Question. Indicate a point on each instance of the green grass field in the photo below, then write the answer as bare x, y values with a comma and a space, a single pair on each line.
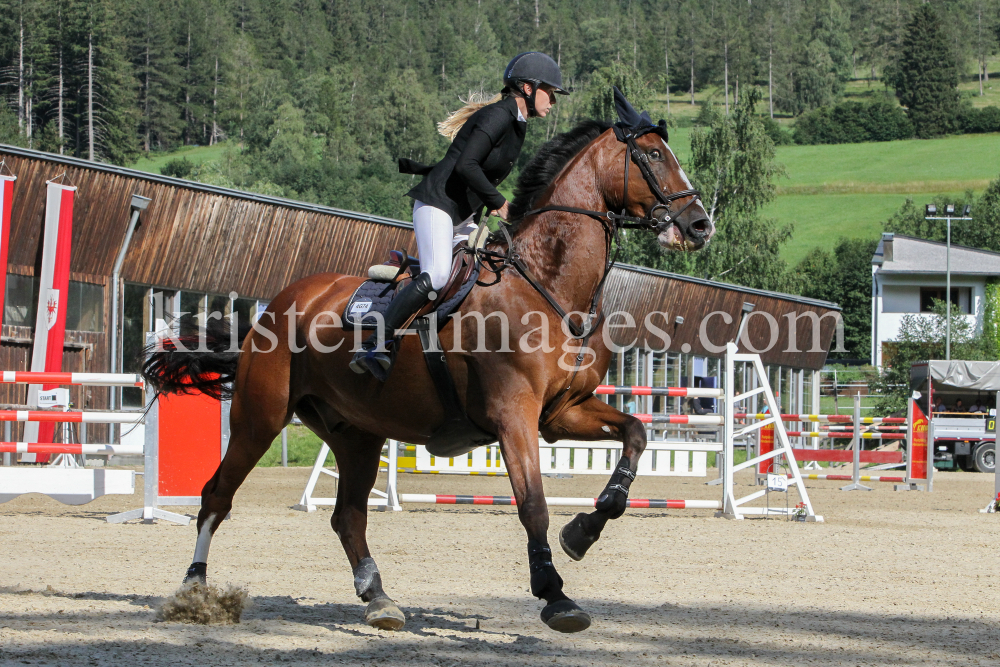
196, 154
850, 189
303, 446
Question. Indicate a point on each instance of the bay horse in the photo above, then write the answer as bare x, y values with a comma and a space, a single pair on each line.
562, 232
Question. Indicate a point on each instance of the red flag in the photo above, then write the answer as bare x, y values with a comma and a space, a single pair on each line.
53, 288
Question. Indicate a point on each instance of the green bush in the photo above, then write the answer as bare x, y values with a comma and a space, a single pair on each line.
853, 122
708, 115
178, 168
975, 121
779, 135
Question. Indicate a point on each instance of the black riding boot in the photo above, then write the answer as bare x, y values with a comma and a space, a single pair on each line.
407, 302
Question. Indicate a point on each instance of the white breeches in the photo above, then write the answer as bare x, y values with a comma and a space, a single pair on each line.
436, 237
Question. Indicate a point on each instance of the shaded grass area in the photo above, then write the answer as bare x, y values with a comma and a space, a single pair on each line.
196, 154
303, 447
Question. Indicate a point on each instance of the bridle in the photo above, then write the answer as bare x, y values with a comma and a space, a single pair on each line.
657, 218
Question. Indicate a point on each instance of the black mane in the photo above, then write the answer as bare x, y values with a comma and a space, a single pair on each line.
549, 160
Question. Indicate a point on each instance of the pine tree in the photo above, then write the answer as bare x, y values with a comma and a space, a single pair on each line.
153, 41
926, 77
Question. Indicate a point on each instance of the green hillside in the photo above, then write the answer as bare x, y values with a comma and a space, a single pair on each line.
849, 189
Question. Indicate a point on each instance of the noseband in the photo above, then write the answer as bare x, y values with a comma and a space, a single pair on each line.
656, 219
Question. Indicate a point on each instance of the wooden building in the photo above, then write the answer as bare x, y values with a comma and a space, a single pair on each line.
197, 244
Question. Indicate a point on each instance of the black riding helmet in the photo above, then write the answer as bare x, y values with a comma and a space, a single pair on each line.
536, 68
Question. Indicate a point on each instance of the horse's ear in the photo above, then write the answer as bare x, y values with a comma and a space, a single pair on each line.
627, 114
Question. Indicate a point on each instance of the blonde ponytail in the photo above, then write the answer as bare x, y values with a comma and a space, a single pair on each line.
450, 126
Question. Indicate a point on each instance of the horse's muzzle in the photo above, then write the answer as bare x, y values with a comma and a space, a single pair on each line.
690, 233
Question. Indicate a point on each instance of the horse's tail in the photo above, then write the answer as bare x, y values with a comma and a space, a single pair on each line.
198, 360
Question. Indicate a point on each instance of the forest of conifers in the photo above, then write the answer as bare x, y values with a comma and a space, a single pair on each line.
366, 79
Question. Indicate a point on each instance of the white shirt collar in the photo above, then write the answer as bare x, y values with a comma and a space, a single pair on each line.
520, 117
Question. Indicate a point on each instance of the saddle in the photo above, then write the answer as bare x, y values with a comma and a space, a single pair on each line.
458, 434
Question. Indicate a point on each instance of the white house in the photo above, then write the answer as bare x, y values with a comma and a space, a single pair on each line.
909, 273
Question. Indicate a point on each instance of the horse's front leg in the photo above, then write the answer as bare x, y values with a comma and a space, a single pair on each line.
596, 420
519, 445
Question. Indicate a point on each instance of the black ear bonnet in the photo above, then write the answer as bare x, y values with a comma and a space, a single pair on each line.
632, 123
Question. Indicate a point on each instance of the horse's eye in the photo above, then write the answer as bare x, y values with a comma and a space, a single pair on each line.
655, 154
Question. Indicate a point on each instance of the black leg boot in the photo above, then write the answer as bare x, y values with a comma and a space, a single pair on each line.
408, 301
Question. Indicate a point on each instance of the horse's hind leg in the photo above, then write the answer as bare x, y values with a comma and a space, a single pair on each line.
357, 453
596, 420
358, 472
254, 426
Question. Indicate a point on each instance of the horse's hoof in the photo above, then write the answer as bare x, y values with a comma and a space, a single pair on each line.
565, 616
574, 540
384, 615
197, 574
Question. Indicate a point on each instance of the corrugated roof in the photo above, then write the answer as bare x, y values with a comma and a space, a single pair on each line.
738, 288
913, 255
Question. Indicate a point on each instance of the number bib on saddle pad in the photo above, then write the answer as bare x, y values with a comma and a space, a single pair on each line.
374, 296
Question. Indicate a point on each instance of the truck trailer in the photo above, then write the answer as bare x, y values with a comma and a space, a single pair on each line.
948, 389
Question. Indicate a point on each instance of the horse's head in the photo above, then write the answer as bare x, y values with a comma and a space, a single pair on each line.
683, 223
650, 183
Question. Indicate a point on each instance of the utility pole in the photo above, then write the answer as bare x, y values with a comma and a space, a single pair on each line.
930, 213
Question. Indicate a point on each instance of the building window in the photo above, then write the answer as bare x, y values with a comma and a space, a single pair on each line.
85, 307
246, 311
84, 304
960, 296
20, 300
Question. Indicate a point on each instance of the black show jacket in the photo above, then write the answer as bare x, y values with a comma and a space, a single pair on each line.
478, 160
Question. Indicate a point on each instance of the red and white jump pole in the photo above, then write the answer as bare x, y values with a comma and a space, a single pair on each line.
648, 503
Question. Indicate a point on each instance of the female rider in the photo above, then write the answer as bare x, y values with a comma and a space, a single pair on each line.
449, 201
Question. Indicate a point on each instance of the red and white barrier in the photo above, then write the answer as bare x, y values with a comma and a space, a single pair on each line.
71, 417
89, 450
646, 503
693, 420
850, 478
184, 439
99, 379
917, 459
69, 485
693, 392
845, 419
848, 434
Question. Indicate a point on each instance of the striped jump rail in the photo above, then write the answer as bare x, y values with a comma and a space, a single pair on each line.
847, 434
89, 450
848, 478
646, 503
694, 420
102, 379
833, 419
878, 428
693, 392
846, 456
71, 417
